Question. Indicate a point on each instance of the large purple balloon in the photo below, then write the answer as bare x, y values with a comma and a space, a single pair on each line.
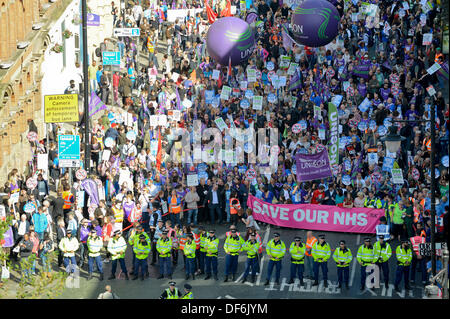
315, 23
230, 37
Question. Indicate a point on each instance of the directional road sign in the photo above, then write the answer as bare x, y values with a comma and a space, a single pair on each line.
111, 58
68, 147
126, 32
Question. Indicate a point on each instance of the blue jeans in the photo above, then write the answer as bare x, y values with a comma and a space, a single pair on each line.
401, 270
251, 263
26, 271
45, 265
297, 269
98, 262
72, 261
40, 236
201, 260
122, 265
343, 274
421, 263
227, 210
277, 265
190, 266
83, 251
192, 213
231, 263
324, 267
142, 264
211, 264
309, 266
175, 218
165, 266
215, 208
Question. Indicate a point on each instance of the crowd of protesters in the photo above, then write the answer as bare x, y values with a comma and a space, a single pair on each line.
142, 185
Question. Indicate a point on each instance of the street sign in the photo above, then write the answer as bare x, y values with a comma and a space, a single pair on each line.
425, 249
127, 32
69, 150
61, 108
111, 58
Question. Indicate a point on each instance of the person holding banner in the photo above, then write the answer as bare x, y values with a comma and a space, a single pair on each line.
276, 249
297, 251
343, 256
321, 252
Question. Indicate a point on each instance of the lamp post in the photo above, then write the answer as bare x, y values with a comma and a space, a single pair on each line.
87, 157
393, 143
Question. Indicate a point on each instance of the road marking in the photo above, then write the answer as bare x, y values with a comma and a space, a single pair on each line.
352, 276
264, 243
229, 297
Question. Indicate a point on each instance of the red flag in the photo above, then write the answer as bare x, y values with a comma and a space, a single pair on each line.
229, 68
210, 13
226, 12
159, 153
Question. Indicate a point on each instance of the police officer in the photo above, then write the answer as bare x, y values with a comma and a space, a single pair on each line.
117, 247
297, 251
276, 249
68, 246
156, 235
404, 257
233, 245
141, 249
189, 252
95, 244
212, 248
202, 252
134, 237
342, 256
164, 248
383, 252
372, 201
365, 257
187, 292
251, 246
321, 252
171, 292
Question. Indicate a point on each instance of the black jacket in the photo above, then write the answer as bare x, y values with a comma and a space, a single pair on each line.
26, 251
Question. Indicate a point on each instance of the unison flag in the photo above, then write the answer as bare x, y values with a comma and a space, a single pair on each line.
296, 81
288, 42
333, 147
312, 166
362, 70
443, 71
95, 104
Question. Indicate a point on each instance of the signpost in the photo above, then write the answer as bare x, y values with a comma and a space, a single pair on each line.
61, 108
129, 32
111, 58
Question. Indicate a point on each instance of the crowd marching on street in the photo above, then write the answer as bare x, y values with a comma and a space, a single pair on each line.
136, 195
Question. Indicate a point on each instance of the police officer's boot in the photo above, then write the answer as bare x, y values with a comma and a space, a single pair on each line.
170, 276
362, 287
244, 279
277, 281
207, 276
407, 286
101, 277
316, 283
346, 286
386, 284
291, 281
253, 279
266, 283
325, 283
226, 279
161, 276
234, 277
126, 276
340, 285
187, 277
89, 276
397, 288
147, 274
142, 277
302, 283
135, 277
193, 276
215, 277
114, 277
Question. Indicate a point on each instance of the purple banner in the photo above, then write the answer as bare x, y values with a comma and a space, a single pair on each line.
93, 20
91, 189
362, 70
251, 17
313, 166
8, 238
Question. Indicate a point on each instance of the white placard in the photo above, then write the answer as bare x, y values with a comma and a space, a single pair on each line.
292, 67
175, 77
427, 38
42, 161
436, 66
176, 115
243, 85
373, 158
192, 180
186, 103
220, 124
197, 153
257, 102
397, 176
106, 155
14, 197
162, 120
154, 120
251, 75
229, 156
215, 74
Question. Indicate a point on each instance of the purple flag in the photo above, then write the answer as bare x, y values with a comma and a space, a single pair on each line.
93, 19
91, 189
296, 81
443, 71
251, 17
95, 104
178, 99
313, 166
8, 238
288, 42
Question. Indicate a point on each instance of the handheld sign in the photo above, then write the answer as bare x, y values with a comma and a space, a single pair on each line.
296, 128
250, 174
81, 174
31, 183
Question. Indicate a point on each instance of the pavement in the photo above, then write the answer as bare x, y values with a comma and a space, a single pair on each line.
151, 288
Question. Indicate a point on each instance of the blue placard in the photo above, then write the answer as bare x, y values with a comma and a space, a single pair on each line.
365, 105
111, 58
69, 147
382, 130
362, 126
202, 167
336, 100
216, 101
245, 104
203, 175
249, 94
209, 96
372, 125
270, 66
303, 124
444, 160
272, 98
346, 180
387, 122
388, 164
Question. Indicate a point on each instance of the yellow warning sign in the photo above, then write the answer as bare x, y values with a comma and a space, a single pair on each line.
61, 108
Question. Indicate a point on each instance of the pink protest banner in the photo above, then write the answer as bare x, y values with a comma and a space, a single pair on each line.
316, 217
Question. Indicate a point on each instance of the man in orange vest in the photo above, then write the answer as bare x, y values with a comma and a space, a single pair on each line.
417, 258
310, 241
235, 205
69, 200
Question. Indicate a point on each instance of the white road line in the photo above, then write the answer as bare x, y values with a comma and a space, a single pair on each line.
352, 276
264, 243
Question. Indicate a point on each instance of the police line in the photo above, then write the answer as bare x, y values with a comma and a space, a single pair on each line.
316, 217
